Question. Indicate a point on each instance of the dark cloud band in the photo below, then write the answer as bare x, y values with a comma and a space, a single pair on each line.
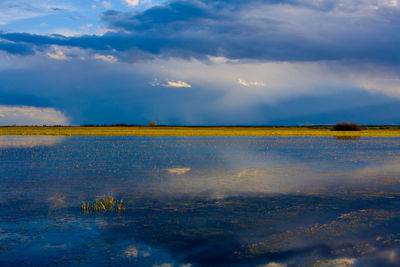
297, 31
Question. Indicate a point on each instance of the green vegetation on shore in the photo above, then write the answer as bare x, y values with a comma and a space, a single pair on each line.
376, 131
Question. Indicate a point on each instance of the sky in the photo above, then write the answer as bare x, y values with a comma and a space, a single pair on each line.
199, 62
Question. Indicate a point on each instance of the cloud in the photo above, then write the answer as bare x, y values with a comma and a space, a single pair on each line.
24, 115
379, 83
247, 84
330, 87
305, 93
63, 53
58, 54
12, 10
242, 82
171, 84
178, 171
286, 30
131, 3
107, 58
341, 262
177, 84
106, 4
16, 48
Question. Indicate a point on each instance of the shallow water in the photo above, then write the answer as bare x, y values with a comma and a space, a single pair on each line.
200, 201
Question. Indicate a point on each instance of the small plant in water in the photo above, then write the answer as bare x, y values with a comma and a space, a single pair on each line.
103, 205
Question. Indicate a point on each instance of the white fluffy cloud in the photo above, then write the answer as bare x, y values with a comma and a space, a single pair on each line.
247, 84
177, 84
57, 54
107, 58
106, 4
131, 3
24, 115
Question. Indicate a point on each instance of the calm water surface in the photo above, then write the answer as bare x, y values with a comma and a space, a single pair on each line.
237, 201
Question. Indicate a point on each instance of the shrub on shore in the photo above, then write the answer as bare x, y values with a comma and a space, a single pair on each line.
153, 123
347, 126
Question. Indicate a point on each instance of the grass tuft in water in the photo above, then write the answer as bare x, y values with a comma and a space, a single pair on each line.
104, 205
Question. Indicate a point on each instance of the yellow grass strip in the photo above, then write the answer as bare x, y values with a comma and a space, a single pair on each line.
201, 131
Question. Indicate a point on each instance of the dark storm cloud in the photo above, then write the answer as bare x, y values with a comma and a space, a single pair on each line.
16, 48
22, 100
256, 29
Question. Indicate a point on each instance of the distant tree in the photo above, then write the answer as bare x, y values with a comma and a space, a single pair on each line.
153, 123
347, 126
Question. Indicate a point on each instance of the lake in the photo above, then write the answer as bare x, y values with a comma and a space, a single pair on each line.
200, 201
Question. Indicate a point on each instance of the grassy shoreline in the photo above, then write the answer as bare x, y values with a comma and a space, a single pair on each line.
376, 131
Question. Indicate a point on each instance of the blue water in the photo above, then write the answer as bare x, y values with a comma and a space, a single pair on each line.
193, 201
